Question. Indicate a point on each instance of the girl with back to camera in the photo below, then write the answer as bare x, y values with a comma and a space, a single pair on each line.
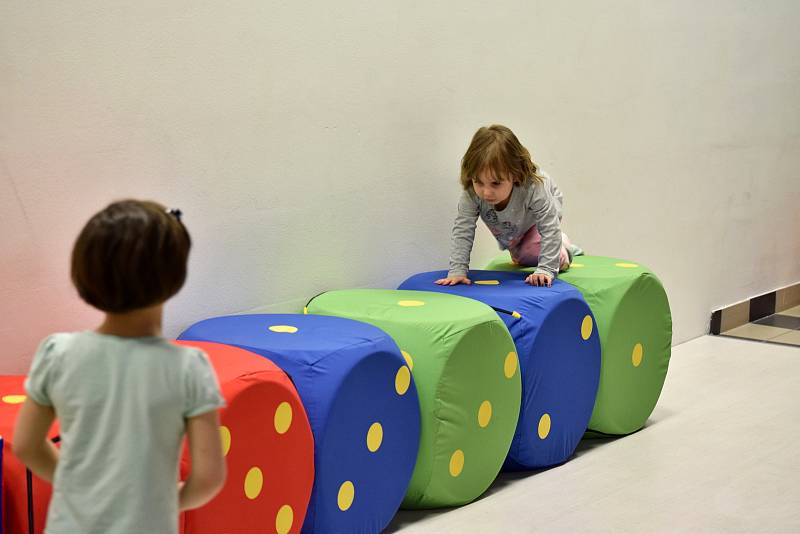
124, 396
519, 203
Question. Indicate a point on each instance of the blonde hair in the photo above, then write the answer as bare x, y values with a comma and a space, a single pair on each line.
497, 149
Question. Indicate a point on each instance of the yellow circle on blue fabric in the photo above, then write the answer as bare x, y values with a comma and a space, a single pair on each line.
586, 327
637, 355
487, 282
284, 519
253, 482
374, 437
402, 380
544, 426
283, 329
456, 463
484, 414
225, 435
283, 417
510, 365
347, 493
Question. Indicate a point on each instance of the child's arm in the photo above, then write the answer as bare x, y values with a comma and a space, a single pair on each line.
30, 443
461, 244
545, 211
208, 469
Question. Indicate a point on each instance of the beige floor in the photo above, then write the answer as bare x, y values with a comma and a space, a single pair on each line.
721, 453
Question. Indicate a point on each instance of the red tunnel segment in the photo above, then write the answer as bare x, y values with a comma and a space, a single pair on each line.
268, 447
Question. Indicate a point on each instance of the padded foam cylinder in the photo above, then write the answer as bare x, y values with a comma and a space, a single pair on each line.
559, 359
465, 367
635, 328
25, 496
361, 403
268, 447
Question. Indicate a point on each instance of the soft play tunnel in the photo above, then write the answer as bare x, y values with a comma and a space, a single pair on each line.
465, 366
635, 328
361, 403
24, 495
268, 447
559, 358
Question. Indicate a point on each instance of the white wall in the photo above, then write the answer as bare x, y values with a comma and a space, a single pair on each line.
314, 147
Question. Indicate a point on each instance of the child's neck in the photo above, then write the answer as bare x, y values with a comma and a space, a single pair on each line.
144, 322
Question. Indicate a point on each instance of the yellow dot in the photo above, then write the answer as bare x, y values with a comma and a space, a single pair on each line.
487, 282
13, 399
626, 265
284, 519
374, 437
410, 303
402, 380
456, 463
283, 329
637, 355
544, 426
586, 327
283, 417
253, 482
305, 312
409, 359
225, 434
515, 315
484, 414
579, 265
347, 493
510, 365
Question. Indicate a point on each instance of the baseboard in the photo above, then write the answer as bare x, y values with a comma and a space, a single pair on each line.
755, 308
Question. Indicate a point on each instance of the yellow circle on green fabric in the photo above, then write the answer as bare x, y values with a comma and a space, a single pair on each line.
484, 414
410, 303
283, 329
374, 437
347, 493
487, 282
626, 265
253, 482
544, 426
579, 265
409, 359
284, 519
305, 310
456, 463
637, 355
283, 417
225, 435
510, 365
402, 380
586, 327
13, 399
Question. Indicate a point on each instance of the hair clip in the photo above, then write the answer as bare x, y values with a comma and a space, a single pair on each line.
175, 212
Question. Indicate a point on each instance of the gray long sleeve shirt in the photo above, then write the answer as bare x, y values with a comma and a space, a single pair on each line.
529, 205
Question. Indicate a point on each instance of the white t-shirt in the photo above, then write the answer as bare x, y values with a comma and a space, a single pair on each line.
122, 405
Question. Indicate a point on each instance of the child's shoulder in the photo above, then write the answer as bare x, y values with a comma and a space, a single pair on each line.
57, 343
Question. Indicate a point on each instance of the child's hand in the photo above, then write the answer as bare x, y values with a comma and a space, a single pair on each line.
453, 280
539, 279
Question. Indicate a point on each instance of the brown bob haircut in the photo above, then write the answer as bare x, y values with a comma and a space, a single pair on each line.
130, 255
495, 148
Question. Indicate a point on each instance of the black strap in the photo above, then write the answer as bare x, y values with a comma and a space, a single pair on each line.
29, 477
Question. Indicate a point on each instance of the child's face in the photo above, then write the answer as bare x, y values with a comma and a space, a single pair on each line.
493, 189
